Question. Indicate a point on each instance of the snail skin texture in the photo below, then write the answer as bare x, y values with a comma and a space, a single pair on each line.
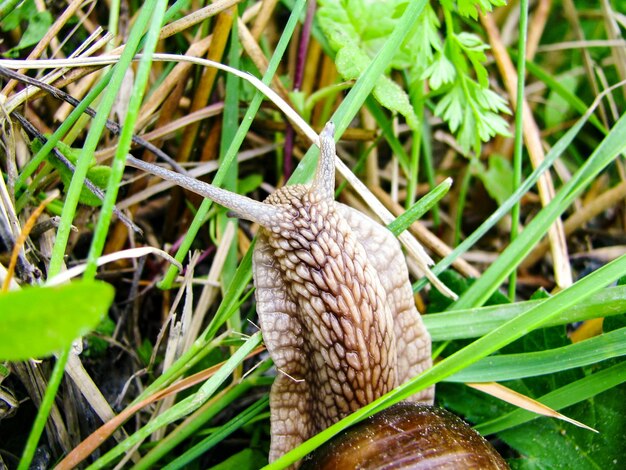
407, 435
335, 304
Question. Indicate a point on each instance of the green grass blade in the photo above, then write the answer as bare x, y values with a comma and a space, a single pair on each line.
531, 364
184, 407
505, 207
44, 410
386, 129
230, 124
209, 442
475, 322
126, 134
604, 154
574, 101
518, 144
418, 209
93, 137
69, 209
199, 419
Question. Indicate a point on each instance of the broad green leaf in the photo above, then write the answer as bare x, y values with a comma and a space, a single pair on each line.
562, 445
38, 321
97, 174
38, 25
498, 178
558, 107
247, 459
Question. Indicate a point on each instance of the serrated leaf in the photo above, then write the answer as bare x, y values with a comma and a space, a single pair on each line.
440, 72
470, 7
355, 36
471, 43
471, 110
38, 321
450, 107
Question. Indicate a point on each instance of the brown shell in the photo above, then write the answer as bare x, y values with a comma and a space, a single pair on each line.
407, 435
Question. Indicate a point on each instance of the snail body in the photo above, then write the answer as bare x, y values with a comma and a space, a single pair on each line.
336, 311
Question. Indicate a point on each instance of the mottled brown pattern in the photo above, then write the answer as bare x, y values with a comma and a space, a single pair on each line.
341, 306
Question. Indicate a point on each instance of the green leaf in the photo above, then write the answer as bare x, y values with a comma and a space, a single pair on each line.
451, 107
554, 443
249, 183
22, 13
498, 179
356, 30
38, 321
38, 26
458, 284
474, 49
559, 108
97, 174
144, 351
247, 459
440, 72
470, 7
96, 346
562, 445
472, 110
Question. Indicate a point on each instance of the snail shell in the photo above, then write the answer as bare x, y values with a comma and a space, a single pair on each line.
407, 435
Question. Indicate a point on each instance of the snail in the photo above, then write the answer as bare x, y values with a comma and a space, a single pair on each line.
334, 300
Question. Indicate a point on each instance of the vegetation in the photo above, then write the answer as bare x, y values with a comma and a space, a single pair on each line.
530, 235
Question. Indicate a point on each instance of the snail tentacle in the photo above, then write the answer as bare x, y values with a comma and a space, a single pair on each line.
244, 207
